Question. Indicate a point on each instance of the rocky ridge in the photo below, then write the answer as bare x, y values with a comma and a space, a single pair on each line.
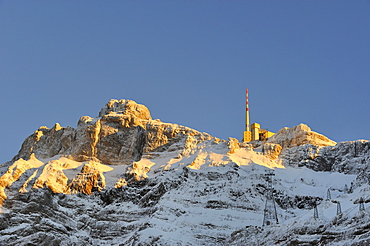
117, 136
123, 178
120, 135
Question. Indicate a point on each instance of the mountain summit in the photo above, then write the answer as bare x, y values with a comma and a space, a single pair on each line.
122, 178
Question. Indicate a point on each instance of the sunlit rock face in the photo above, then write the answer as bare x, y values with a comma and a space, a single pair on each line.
127, 108
46, 143
172, 137
299, 135
90, 179
121, 134
272, 150
117, 136
109, 140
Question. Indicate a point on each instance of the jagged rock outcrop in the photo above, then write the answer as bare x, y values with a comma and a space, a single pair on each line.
171, 137
14, 172
108, 140
351, 157
233, 145
299, 135
46, 143
304, 148
117, 136
53, 177
121, 134
271, 150
127, 108
90, 179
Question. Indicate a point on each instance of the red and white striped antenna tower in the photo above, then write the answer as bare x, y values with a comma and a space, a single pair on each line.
247, 123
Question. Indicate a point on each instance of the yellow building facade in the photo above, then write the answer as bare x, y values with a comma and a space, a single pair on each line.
257, 134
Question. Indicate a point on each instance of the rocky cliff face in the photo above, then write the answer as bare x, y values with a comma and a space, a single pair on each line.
122, 132
123, 178
120, 135
299, 135
117, 136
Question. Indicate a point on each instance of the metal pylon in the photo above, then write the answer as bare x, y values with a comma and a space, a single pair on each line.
339, 208
269, 213
315, 212
346, 190
362, 206
328, 195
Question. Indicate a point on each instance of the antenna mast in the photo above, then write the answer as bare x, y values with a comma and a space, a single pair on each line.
247, 123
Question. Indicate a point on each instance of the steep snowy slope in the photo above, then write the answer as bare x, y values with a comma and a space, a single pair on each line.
124, 179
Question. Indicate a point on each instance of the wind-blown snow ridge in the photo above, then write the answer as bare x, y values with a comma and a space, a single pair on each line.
124, 179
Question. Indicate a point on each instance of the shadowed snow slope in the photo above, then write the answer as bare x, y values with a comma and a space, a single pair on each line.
124, 179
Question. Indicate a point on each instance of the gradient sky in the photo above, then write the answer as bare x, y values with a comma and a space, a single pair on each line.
189, 62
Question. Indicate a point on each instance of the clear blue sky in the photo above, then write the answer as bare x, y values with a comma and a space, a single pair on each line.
189, 62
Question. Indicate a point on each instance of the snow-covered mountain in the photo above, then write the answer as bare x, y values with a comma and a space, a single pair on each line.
123, 178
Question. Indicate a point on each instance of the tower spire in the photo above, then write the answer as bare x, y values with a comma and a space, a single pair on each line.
247, 123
